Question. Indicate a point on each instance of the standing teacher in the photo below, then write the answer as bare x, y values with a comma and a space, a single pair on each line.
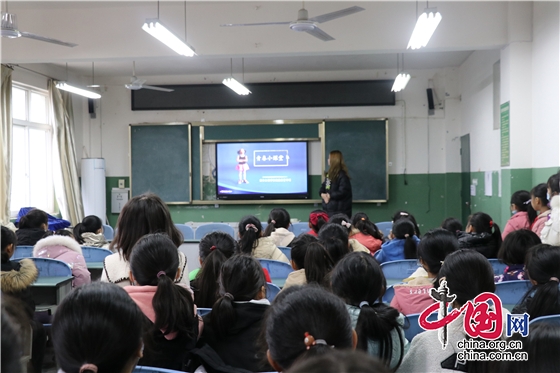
336, 190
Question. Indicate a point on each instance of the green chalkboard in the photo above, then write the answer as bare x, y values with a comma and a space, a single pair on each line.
160, 161
363, 144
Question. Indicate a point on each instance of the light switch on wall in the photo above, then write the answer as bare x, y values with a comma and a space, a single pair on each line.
121, 183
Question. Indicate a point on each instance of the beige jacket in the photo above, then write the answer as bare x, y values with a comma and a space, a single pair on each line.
266, 249
296, 278
282, 237
358, 247
550, 233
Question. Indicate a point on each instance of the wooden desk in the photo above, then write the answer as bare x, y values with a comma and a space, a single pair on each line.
95, 268
51, 290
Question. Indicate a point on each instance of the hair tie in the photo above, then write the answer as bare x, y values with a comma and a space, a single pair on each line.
90, 367
554, 279
403, 214
441, 262
160, 273
527, 202
345, 224
363, 219
364, 303
406, 235
251, 226
314, 217
212, 248
491, 223
273, 221
229, 295
310, 341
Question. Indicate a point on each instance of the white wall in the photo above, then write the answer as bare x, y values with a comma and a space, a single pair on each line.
107, 135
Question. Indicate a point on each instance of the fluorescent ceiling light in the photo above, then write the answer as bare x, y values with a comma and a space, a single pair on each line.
424, 29
235, 86
400, 82
160, 32
79, 91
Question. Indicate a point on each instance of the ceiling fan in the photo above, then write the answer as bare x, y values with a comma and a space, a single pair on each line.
306, 24
9, 30
136, 84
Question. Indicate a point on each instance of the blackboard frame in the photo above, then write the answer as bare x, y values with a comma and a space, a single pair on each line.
189, 140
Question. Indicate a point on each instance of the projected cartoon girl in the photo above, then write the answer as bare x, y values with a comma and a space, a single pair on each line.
242, 166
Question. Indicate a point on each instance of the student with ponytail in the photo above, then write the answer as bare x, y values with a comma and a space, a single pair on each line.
299, 252
482, 235
335, 239
539, 202
358, 279
346, 224
214, 249
170, 323
251, 242
402, 245
317, 218
543, 268
90, 232
365, 232
550, 233
232, 328
306, 321
318, 265
523, 214
277, 227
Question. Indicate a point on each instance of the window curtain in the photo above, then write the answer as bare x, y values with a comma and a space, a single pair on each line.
6, 138
65, 173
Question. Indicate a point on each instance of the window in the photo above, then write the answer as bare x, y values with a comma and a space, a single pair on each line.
32, 184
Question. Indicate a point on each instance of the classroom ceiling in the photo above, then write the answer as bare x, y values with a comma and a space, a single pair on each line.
109, 33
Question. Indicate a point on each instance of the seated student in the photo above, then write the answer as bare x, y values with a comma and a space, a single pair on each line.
482, 235
550, 233
406, 215
452, 225
365, 232
90, 232
61, 245
513, 252
539, 202
344, 222
317, 265
16, 280
414, 295
543, 268
299, 250
402, 244
317, 218
306, 321
213, 250
141, 215
522, 213
32, 227
97, 328
541, 346
252, 243
170, 323
277, 227
468, 274
233, 326
336, 361
334, 237
358, 279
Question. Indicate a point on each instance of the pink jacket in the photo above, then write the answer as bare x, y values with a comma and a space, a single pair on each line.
373, 244
67, 250
413, 297
516, 222
538, 224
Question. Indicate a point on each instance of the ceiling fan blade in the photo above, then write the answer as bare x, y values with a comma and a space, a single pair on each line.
254, 24
338, 14
48, 40
320, 34
157, 88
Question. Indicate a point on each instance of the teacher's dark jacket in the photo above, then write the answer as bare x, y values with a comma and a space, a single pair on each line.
340, 191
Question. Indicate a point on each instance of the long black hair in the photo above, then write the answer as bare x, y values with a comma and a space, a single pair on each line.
250, 230
241, 279
318, 264
98, 324
435, 246
540, 192
361, 222
214, 249
516, 245
403, 229
337, 361
155, 261
305, 312
543, 267
335, 239
452, 225
483, 223
299, 249
401, 214
91, 224
34, 218
522, 201
343, 220
359, 280
278, 218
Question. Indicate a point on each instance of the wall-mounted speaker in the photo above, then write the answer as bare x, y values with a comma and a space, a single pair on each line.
431, 107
